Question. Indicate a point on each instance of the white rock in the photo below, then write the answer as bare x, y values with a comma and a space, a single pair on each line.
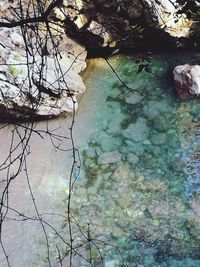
62, 79
187, 80
177, 25
55, 94
17, 39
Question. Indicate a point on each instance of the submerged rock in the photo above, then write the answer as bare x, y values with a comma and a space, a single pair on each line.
159, 209
133, 159
158, 139
138, 131
109, 157
187, 80
154, 109
109, 143
114, 124
136, 148
133, 98
161, 124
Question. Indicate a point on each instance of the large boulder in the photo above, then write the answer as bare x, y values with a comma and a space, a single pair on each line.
32, 93
187, 80
35, 87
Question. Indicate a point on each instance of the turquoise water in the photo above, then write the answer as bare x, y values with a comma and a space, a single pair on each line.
139, 188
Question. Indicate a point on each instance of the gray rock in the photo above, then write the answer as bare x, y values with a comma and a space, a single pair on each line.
16, 104
109, 157
118, 28
51, 94
187, 80
49, 100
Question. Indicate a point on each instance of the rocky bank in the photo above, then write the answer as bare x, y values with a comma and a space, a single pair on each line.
39, 71
130, 25
41, 62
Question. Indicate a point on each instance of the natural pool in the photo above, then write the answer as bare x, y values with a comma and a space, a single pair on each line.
137, 198
140, 188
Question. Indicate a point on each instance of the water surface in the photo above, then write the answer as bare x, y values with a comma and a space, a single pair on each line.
140, 186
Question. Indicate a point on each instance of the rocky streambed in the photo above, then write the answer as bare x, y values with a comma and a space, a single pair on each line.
139, 185
138, 189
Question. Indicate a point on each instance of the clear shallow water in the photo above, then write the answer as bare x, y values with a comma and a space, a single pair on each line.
140, 186
139, 183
